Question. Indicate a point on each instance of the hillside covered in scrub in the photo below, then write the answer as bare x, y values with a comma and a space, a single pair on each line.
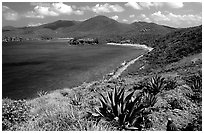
165, 86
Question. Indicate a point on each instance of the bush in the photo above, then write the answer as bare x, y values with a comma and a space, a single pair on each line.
14, 112
170, 84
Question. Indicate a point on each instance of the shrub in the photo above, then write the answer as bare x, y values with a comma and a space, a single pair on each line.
156, 85
195, 83
128, 111
170, 84
14, 112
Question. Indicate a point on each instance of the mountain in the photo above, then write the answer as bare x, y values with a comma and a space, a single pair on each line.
59, 24
100, 27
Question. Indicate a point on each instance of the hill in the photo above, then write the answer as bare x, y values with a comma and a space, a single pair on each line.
176, 45
59, 24
100, 27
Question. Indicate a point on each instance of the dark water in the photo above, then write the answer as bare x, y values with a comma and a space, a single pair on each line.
33, 66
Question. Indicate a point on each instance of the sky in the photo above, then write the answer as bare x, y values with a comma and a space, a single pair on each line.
174, 14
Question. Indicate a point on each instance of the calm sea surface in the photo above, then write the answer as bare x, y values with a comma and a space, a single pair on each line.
30, 67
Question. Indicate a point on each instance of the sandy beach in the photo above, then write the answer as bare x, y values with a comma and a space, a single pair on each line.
125, 65
132, 45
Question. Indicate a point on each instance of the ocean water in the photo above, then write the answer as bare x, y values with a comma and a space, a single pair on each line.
29, 67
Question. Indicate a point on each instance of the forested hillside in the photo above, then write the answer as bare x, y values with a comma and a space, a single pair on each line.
176, 45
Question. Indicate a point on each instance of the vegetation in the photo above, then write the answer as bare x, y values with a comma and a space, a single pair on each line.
14, 113
176, 45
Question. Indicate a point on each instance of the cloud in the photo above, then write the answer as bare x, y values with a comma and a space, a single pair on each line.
132, 16
133, 5
85, 8
35, 24
125, 20
44, 4
158, 16
79, 12
142, 5
13, 16
114, 17
9, 14
52, 9
4, 8
175, 4
45, 11
106, 8
176, 19
61, 8
143, 17
151, 4
32, 14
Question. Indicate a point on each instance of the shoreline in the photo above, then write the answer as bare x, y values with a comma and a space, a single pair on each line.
125, 65
132, 45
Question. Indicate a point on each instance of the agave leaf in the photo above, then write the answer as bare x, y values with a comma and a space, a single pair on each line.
103, 98
122, 102
128, 97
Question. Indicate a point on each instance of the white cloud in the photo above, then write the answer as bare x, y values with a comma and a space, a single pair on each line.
175, 4
44, 4
35, 24
143, 18
142, 5
79, 12
133, 5
13, 16
125, 20
176, 19
32, 14
116, 8
85, 8
61, 8
114, 17
45, 11
106, 8
53, 9
150, 4
9, 14
4, 8
132, 16
158, 16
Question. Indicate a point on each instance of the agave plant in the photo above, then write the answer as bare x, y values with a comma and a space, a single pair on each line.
156, 85
42, 93
195, 83
125, 110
